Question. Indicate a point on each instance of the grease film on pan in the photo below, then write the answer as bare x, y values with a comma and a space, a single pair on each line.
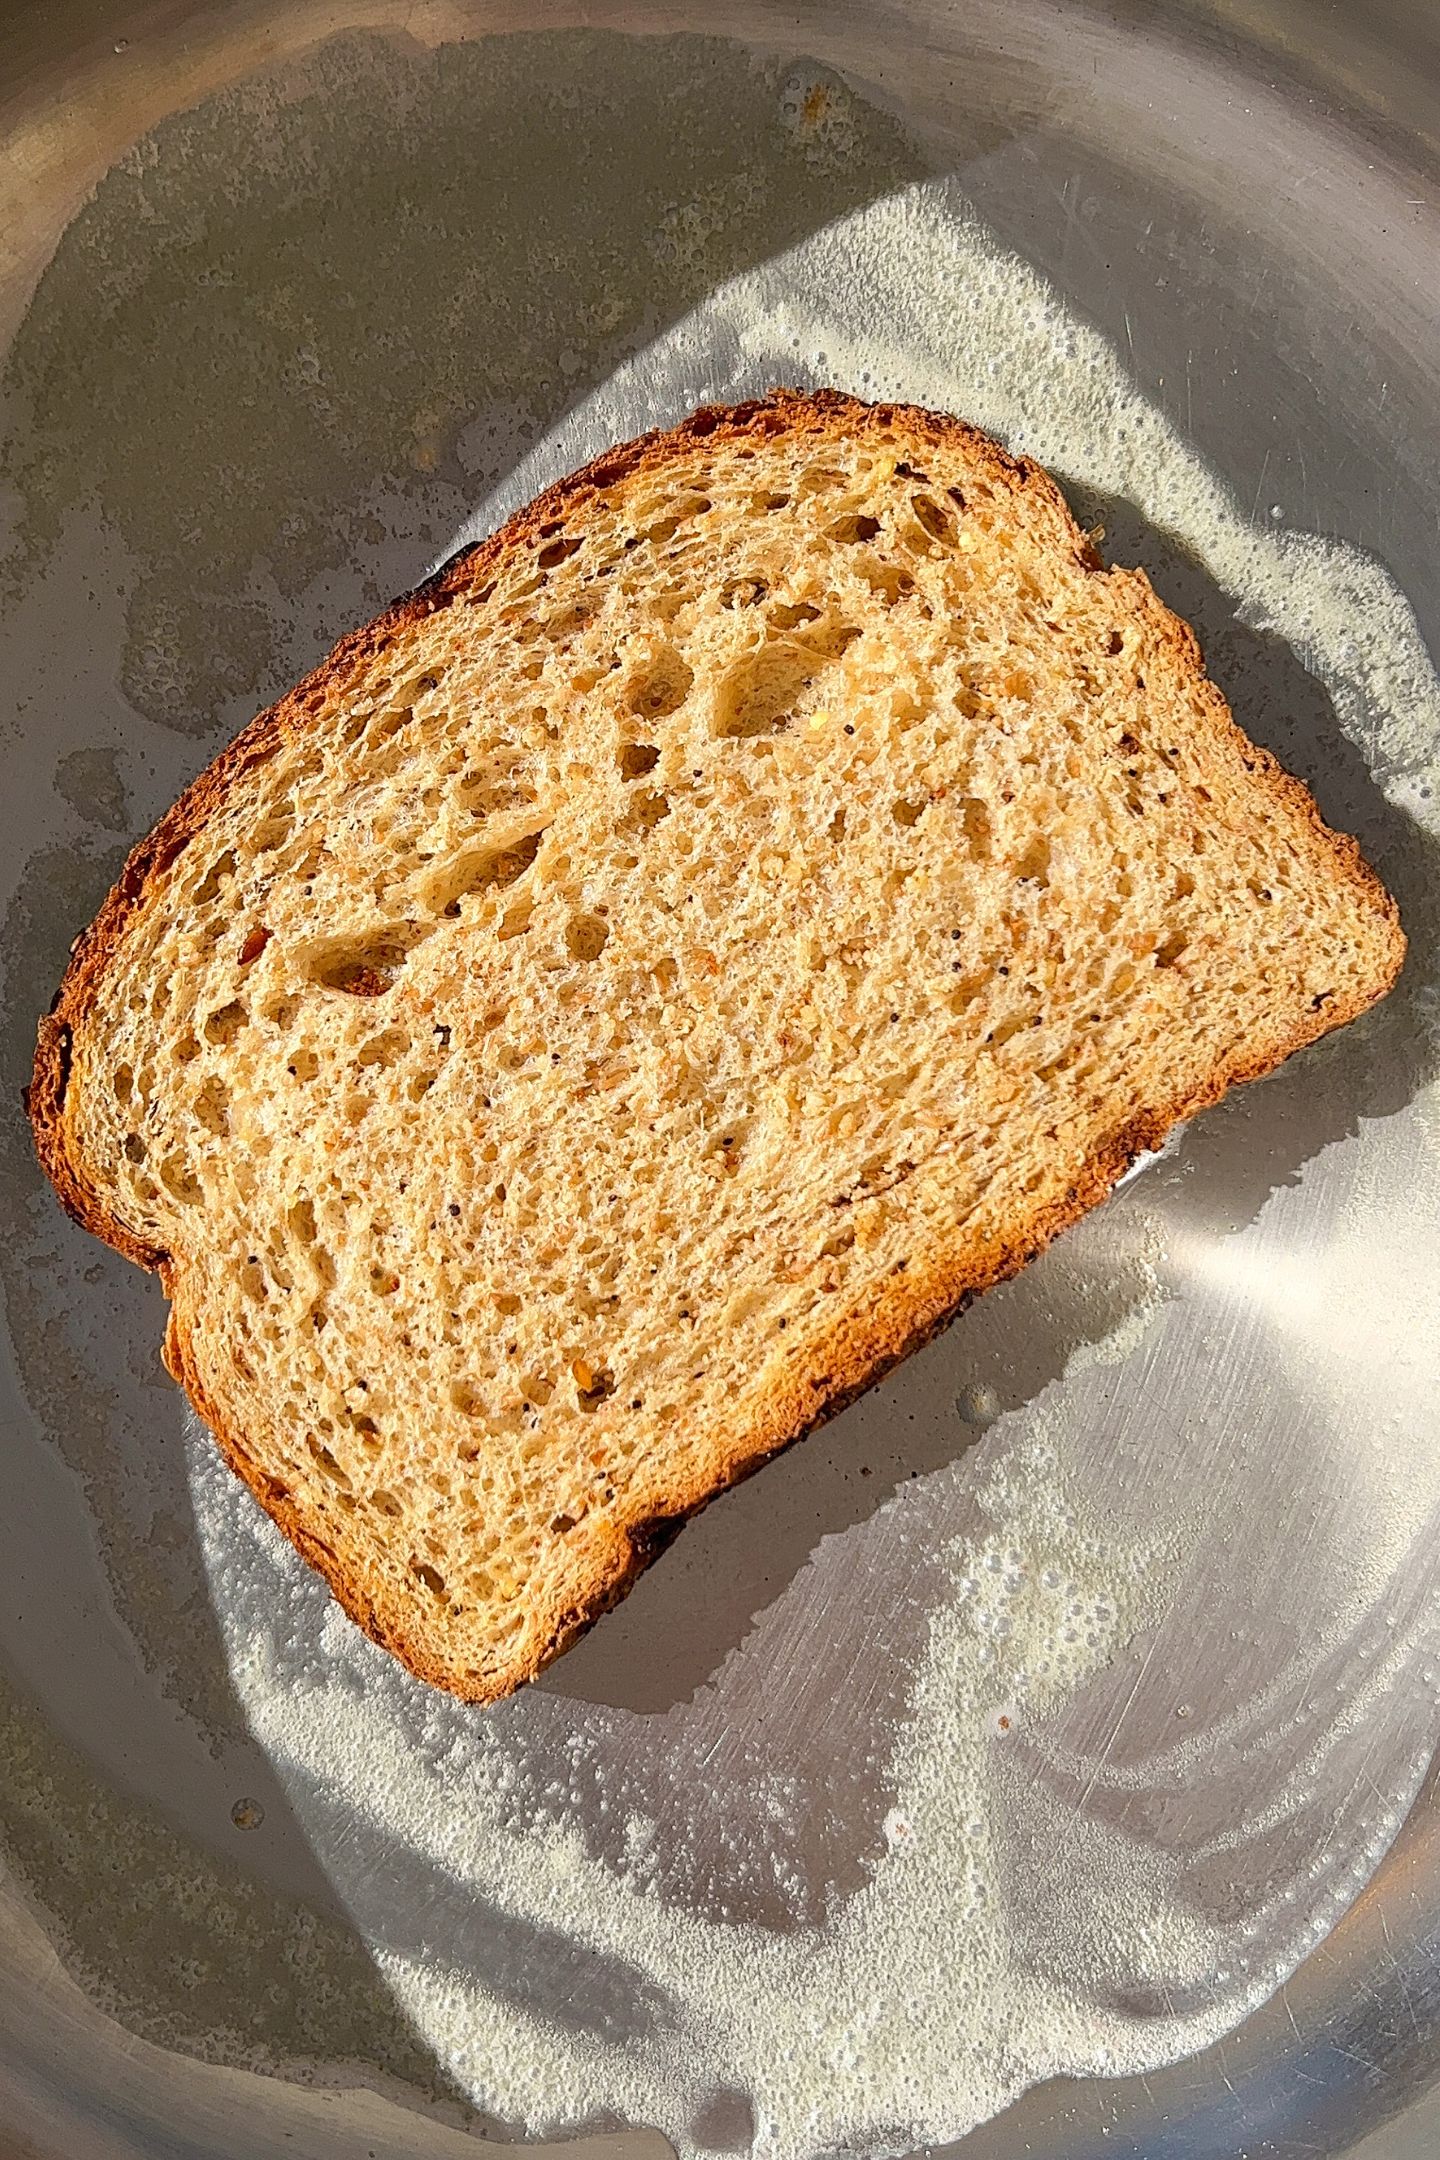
699, 1877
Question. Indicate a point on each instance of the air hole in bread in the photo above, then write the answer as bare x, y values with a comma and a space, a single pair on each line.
515, 922
225, 1024
888, 581
660, 687
743, 592
936, 522
480, 870
637, 759
671, 517
1034, 864
586, 937
382, 727
361, 966
645, 813
272, 831
215, 879
327, 1464
212, 1107
978, 828
491, 790
1006, 1030
384, 1049
854, 527
180, 1181
759, 694
300, 1219
965, 992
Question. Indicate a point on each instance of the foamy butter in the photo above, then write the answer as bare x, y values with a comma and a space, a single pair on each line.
902, 2010
954, 1967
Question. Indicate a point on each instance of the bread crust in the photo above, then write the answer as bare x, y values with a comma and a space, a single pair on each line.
927, 1290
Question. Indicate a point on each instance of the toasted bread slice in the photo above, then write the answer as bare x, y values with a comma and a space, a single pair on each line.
645, 983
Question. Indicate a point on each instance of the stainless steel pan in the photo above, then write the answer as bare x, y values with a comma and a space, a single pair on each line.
1243, 198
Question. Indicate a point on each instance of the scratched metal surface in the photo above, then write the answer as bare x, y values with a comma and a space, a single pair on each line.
1289, 323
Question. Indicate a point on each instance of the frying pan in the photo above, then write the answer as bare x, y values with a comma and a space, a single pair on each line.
290, 292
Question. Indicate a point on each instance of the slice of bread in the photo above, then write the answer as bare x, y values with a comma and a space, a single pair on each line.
650, 979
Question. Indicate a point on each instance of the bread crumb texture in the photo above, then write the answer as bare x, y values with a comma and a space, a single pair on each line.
648, 980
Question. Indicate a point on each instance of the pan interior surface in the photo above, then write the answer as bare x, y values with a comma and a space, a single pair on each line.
1042, 1714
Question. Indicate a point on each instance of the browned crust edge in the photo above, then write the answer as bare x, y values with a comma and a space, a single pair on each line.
923, 1295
